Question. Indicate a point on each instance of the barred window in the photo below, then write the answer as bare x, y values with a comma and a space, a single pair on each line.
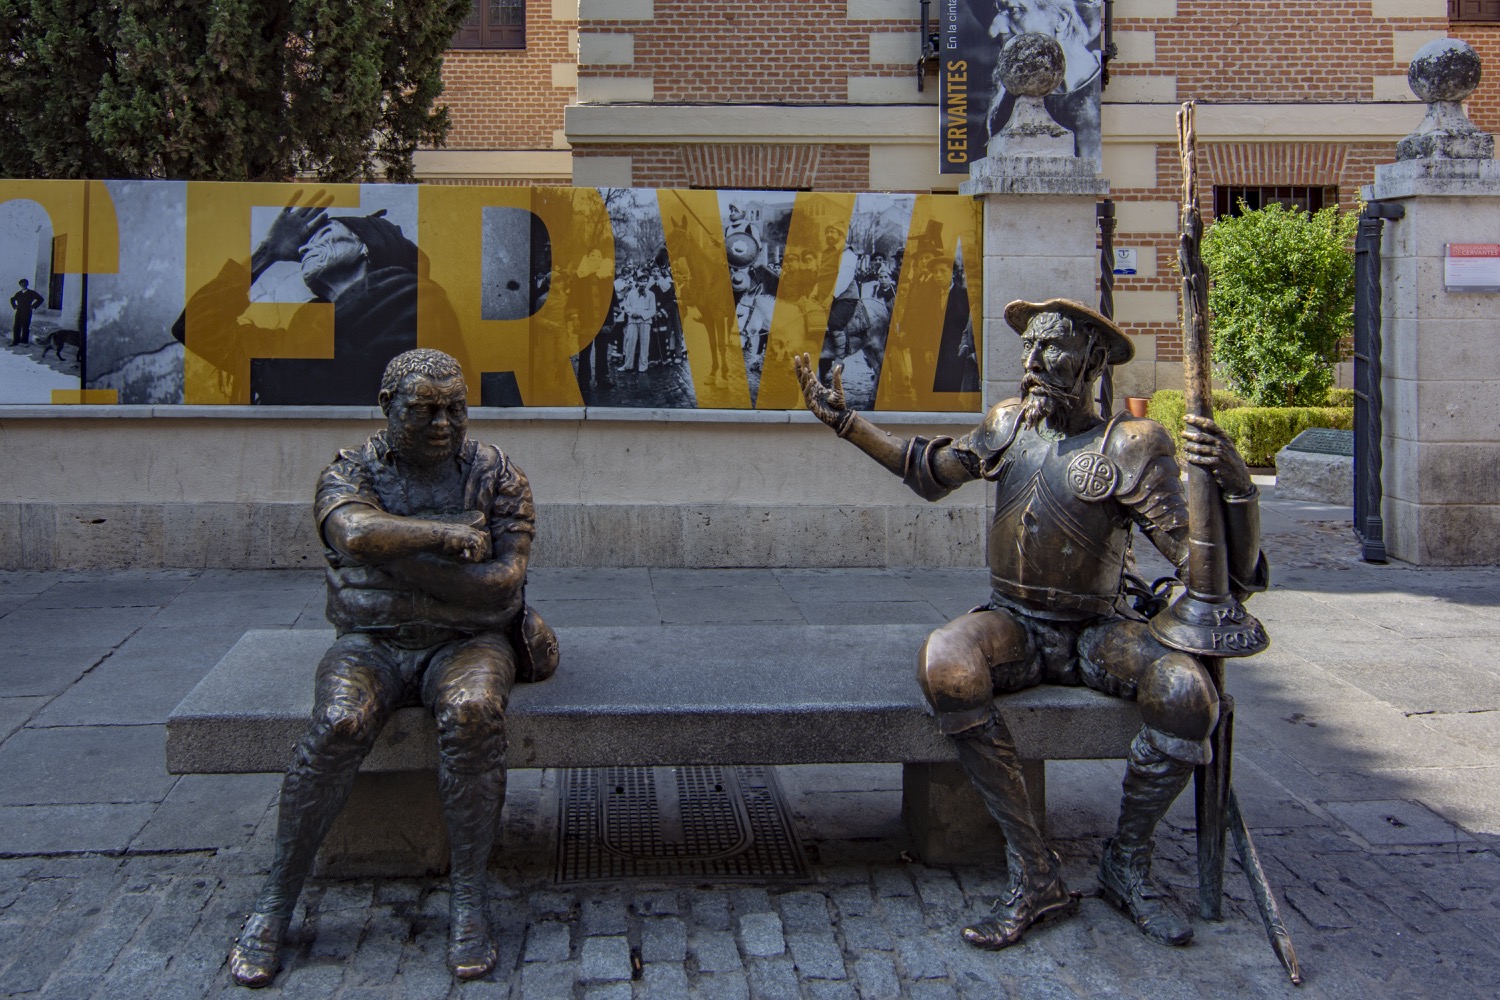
1474, 10
493, 24
1227, 198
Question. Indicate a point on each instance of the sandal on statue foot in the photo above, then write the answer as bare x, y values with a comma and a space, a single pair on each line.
256, 954
1018, 912
472, 952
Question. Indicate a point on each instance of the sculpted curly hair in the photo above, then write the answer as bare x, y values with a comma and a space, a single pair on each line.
423, 361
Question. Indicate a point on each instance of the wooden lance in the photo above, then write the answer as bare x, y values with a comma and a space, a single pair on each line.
1208, 620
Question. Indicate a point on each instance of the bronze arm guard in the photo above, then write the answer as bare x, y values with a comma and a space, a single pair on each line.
930, 468
1248, 572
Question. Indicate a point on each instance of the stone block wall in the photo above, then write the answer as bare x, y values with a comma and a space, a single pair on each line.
233, 487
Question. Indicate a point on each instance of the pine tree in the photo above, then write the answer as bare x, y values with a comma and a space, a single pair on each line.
264, 90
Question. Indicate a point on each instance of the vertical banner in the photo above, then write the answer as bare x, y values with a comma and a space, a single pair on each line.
973, 104
53, 235
516, 355
222, 328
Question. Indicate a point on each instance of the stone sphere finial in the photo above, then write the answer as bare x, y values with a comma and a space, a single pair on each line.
1032, 64
1443, 73
1446, 69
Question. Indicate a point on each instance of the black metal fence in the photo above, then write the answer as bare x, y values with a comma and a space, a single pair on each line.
1369, 528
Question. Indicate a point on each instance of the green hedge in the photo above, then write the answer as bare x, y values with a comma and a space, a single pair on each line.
1259, 432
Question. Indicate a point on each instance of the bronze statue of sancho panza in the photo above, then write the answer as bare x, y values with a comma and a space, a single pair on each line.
1069, 485
427, 535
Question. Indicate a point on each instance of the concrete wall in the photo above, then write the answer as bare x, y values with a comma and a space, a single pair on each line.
232, 486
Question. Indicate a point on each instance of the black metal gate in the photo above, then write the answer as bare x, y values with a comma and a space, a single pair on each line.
1368, 526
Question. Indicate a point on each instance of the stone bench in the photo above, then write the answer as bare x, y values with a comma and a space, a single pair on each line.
648, 695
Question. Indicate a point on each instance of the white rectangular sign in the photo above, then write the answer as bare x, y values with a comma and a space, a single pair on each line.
1124, 261
1472, 267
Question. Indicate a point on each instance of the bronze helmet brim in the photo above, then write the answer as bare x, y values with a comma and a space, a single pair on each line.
1020, 312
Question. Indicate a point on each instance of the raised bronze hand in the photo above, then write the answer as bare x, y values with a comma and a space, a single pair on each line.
827, 404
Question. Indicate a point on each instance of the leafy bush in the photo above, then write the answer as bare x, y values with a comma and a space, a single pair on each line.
1339, 397
1259, 432
1281, 298
1168, 408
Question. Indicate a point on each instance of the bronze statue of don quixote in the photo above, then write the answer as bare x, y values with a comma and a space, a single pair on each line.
1070, 486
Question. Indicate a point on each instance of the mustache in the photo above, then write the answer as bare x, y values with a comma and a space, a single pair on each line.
1035, 385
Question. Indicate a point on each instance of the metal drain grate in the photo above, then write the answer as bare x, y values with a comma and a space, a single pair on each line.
698, 823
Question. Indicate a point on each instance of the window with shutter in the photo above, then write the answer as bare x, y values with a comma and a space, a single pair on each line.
1474, 10
493, 24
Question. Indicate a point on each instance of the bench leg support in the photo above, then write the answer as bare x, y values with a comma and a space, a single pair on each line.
392, 826
947, 820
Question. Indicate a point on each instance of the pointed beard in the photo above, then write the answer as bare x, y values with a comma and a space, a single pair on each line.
1037, 409
1042, 401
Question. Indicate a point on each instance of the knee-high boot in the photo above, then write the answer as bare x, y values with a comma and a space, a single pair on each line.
471, 807
1152, 783
1037, 891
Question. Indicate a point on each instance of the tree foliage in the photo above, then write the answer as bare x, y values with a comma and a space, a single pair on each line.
235, 90
1281, 299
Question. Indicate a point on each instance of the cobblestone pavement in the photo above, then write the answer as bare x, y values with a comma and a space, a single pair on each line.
1366, 764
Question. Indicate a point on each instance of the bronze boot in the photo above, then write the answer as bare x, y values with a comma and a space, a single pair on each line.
1152, 782
471, 948
1037, 894
256, 954
1125, 881
471, 804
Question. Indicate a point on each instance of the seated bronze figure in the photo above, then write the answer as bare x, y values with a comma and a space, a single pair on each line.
427, 536
1069, 486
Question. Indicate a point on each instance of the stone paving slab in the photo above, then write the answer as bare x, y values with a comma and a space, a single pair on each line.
38, 665
143, 680
79, 627
128, 589
15, 712
80, 764
208, 812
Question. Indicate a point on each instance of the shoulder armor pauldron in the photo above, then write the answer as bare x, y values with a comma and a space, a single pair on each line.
1133, 443
1000, 425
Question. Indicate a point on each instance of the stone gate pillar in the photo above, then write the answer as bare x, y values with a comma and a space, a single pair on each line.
1039, 216
1440, 357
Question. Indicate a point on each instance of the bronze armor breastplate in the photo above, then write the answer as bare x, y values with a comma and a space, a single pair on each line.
1057, 544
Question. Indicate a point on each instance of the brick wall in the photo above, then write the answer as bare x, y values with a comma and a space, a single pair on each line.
508, 98
812, 52
1484, 105
774, 51
821, 168
1281, 50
